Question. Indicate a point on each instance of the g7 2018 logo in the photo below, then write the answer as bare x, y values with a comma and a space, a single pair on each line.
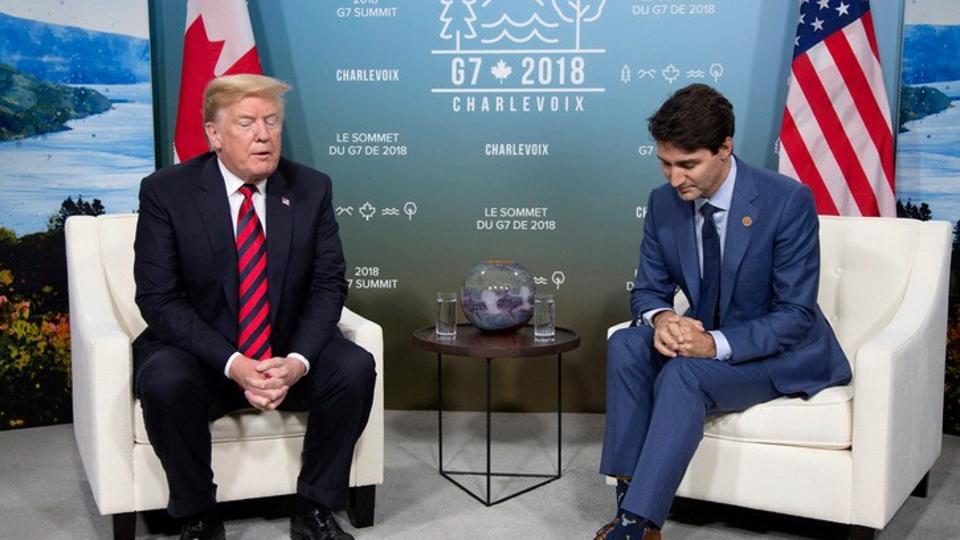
518, 55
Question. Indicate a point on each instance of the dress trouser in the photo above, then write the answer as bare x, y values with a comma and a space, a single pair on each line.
656, 408
180, 395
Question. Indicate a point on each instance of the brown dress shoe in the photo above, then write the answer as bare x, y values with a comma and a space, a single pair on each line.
602, 532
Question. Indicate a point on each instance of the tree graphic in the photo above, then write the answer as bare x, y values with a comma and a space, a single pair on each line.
579, 15
458, 17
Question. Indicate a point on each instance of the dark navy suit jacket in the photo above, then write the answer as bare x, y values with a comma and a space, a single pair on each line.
186, 262
769, 280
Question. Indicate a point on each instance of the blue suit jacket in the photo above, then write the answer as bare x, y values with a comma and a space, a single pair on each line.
769, 281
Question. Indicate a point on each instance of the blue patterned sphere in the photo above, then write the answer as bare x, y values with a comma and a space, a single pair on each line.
498, 295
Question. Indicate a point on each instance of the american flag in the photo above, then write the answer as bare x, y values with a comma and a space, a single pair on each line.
836, 135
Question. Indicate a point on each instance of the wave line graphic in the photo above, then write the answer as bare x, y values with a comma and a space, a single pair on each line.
505, 34
535, 18
488, 2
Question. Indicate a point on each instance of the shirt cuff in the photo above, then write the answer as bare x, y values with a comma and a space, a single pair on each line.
723, 346
300, 357
226, 368
647, 316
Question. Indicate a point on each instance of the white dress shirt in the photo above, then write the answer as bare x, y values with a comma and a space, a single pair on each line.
232, 184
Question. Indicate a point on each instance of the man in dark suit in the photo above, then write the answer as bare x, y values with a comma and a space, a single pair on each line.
742, 244
240, 278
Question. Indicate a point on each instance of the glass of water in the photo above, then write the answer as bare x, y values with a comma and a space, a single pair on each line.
447, 315
544, 317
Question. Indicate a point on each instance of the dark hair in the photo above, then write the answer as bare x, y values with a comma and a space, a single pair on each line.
695, 117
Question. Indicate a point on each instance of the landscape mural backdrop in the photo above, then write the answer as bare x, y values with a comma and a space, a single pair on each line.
76, 137
928, 148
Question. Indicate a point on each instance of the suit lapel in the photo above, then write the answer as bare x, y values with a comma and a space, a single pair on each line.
687, 250
740, 223
279, 232
215, 212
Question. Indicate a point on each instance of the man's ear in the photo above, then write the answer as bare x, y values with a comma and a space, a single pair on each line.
726, 148
213, 136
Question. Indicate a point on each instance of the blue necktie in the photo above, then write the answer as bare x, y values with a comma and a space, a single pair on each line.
710, 282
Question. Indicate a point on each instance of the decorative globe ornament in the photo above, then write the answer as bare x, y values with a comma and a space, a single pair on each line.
498, 295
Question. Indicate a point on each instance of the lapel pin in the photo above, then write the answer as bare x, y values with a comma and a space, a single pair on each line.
747, 221
286, 202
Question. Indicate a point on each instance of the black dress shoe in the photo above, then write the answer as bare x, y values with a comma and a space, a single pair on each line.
310, 522
205, 526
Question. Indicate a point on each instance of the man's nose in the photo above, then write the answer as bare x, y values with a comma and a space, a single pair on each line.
675, 176
260, 130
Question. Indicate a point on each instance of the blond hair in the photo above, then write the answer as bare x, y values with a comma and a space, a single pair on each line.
227, 90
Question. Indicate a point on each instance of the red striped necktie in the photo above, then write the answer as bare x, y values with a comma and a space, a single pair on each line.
253, 322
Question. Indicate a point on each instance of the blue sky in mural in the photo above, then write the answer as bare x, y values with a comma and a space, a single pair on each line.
94, 154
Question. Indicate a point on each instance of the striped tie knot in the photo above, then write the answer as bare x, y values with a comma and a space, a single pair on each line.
253, 318
247, 190
707, 209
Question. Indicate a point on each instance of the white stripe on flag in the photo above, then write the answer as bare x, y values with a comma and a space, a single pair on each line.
853, 124
857, 37
786, 166
816, 144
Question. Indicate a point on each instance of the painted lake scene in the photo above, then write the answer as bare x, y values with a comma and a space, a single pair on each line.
928, 150
76, 119
76, 138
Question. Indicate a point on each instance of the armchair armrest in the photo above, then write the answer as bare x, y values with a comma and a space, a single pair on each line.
898, 388
102, 373
618, 326
368, 453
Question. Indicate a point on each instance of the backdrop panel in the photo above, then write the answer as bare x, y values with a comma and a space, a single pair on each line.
457, 131
928, 152
76, 137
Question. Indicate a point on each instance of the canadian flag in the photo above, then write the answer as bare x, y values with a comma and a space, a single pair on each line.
218, 41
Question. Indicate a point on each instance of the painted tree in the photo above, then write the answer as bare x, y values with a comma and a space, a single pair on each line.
580, 13
458, 18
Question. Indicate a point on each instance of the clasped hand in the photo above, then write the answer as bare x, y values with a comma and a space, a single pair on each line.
674, 336
265, 383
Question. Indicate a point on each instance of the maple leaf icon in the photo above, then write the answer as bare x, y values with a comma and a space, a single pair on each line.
670, 73
501, 71
367, 210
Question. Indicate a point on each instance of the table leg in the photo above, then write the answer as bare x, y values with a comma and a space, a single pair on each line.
489, 384
440, 412
559, 413
487, 500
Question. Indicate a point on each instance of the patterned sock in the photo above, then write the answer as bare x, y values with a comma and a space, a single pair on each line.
629, 526
623, 483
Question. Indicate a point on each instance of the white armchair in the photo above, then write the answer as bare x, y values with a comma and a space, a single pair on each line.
125, 475
849, 454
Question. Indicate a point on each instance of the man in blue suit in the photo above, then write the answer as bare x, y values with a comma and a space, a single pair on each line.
742, 244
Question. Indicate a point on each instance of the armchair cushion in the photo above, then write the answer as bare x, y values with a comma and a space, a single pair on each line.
823, 421
244, 425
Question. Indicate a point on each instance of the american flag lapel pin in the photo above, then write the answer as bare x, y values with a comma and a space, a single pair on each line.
284, 201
